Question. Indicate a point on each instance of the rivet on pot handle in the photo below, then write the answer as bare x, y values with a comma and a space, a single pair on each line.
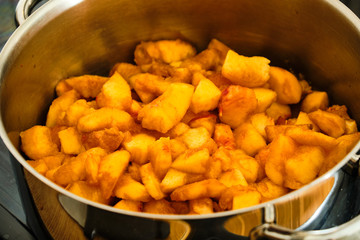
23, 10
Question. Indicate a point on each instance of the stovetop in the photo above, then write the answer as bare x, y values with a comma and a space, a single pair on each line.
9, 194
13, 217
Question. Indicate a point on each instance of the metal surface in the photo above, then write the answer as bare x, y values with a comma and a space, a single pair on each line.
23, 10
319, 39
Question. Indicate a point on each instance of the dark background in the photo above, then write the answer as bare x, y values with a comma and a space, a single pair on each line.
10, 201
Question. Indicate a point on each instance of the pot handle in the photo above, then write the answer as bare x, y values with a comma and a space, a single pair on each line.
23, 10
348, 231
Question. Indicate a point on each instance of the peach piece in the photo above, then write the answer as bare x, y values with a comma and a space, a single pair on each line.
236, 105
167, 110
115, 93
246, 71
286, 85
37, 142
314, 101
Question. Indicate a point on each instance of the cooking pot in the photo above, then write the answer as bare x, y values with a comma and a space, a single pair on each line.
63, 38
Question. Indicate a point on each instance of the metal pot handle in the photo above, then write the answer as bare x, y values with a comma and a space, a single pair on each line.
348, 231
23, 10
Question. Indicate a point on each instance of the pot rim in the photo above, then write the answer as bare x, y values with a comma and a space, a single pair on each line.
51, 10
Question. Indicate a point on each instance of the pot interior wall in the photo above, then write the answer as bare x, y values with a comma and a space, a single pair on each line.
311, 38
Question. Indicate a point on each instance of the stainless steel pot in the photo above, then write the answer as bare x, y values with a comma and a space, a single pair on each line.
319, 38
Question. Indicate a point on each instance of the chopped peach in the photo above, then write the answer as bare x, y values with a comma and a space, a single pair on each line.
220, 47
280, 149
278, 111
177, 147
304, 166
246, 199
129, 205
192, 161
350, 126
105, 118
270, 190
206, 121
309, 137
115, 93
246, 71
135, 108
239, 197
260, 121
160, 156
88, 86
172, 180
138, 146
77, 110
201, 206
214, 168
195, 137
128, 188
54, 161
50, 173
233, 177
178, 130
111, 168
206, 96
126, 70
166, 111
314, 101
108, 139
303, 119
151, 181
224, 136
286, 86
166, 51
170, 72
262, 158
348, 141
224, 156
344, 144
207, 188
181, 207
58, 107
273, 131
93, 157
70, 140
249, 139
340, 110
236, 105
190, 115
248, 166
305, 86
218, 79
181, 132
36, 142
208, 59
71, 171
149, 86
134, 171
39, 165
161, 206
265, 98
62, 87
85, 190
330, 123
